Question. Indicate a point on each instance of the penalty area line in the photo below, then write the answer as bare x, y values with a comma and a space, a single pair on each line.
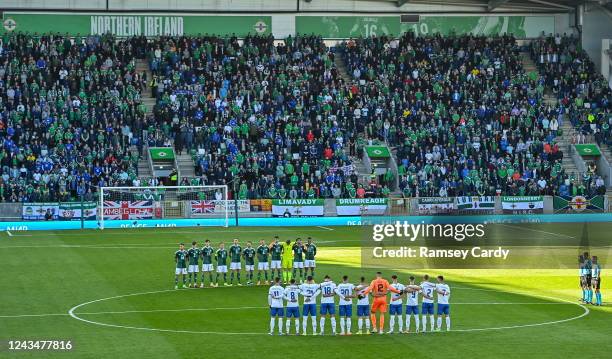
326, 228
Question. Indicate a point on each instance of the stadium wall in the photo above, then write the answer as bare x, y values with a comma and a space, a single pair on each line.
24, 226
327, 25
597, 25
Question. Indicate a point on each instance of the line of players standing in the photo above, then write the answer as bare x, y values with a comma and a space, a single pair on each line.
366, 314
287, 259
590, 278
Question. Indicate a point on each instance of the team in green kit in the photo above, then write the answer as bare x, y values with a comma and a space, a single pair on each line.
284, 260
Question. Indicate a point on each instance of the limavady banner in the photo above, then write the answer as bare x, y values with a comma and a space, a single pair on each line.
361, 206
522, 204
298, 207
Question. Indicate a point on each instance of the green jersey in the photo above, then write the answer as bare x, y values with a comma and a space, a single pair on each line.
235, 253
207, 254
298, 251
221, 256
262, 253
311, 251
194, 256
180, 257
249, 256
277, 251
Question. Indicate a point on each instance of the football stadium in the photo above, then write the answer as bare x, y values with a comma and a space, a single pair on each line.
305, 178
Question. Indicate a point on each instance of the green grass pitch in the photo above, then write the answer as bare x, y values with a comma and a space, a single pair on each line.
495, 313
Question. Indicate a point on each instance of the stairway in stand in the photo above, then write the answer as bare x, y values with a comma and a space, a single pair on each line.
147, 99
564, 140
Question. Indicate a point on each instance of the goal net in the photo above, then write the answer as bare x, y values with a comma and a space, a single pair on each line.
190, 205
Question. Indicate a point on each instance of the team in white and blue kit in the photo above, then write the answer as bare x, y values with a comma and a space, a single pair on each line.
284, 303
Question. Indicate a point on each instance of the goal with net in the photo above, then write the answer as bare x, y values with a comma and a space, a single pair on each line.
194, 205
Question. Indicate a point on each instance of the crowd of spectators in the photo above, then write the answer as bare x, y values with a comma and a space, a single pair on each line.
275, 119
583, 97
68, 107
465, 117
267, 117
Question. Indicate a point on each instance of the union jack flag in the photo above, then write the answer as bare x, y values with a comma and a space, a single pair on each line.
202, 207
128, 210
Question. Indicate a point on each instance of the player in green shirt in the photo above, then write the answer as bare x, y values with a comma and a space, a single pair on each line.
207, 261
311, 252
235, 264
194, 258
180, 258
221, 257
249, 262
262, 261
277, 252
298, 259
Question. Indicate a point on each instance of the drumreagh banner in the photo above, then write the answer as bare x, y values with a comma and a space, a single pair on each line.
475, 203
298, 207
522, 204
436, 205
361, 206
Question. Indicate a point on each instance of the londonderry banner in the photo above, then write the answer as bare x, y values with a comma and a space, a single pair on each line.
135, 24
61, 211
475, 203
578, 204
298, 207
361, 206
522, 204
435, 205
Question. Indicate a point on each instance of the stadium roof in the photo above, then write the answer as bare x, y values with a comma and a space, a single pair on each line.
506, 5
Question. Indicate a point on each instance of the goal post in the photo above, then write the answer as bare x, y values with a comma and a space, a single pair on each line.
196, 205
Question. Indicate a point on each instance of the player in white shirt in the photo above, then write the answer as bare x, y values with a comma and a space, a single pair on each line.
396, 305
412, 305
309, 290
443, 291
345, 292
363, 306
292, 293
328, 306
427, 306
275, 301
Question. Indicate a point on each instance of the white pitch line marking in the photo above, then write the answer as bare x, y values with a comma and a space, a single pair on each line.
9, 233
535, 230
326, 228
74, 315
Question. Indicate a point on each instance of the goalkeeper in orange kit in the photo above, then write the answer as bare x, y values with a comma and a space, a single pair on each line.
379, 288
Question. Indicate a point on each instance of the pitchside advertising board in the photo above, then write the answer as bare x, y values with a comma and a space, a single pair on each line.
150, 25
